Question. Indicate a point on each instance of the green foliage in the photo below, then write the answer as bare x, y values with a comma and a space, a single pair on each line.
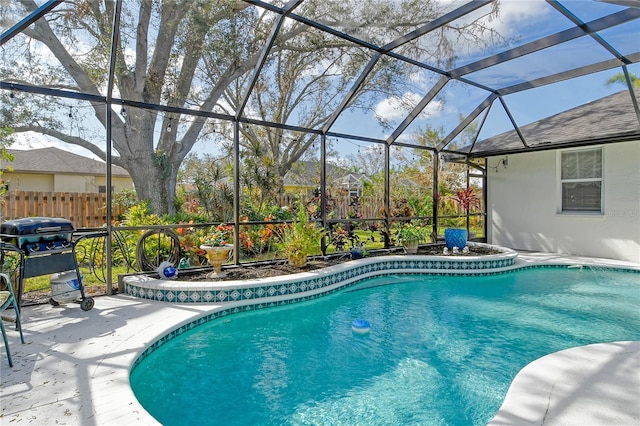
219, 235
401, 208
274, 212
410, 232
140, 214
5, 141
212, 196
422, 206
259, 173
620, 78
302, 237
162, 161
125, 199
43, 282
184, 216
127, 252
341, 236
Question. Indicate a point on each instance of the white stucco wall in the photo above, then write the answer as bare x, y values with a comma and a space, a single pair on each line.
74, 183
523, 206
118, 183
40, 182
29, 181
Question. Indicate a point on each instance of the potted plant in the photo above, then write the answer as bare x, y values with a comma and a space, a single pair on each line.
410, 235
457, 237
218, 247
301, 239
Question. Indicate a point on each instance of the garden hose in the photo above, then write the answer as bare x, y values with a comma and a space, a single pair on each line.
164, 247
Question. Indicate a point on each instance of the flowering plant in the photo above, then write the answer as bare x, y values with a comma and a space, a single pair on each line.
219, 236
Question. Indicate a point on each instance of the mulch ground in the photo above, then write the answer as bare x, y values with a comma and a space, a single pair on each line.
246, 272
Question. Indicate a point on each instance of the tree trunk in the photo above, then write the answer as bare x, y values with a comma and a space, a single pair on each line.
155, 182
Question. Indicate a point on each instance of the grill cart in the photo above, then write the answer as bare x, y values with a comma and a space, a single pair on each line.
46, 246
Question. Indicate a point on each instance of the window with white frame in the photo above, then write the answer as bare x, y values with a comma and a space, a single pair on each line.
581, 180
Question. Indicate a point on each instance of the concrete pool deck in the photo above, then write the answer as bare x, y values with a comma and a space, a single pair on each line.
74, 367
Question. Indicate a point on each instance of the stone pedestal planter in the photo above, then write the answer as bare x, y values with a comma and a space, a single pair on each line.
217, 256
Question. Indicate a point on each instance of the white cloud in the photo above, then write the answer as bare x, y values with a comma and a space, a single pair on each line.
514, 12
394, 108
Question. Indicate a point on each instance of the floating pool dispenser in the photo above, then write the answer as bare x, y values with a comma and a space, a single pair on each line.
361, 326
167, 271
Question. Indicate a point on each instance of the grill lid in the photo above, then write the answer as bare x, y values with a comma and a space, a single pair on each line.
36, 226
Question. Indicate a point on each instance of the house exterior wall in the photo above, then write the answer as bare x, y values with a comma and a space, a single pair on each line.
118, 183
29, 181
75, 183
297, 189
41, 182
524, 210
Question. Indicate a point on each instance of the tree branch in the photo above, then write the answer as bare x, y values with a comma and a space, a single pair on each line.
74, 140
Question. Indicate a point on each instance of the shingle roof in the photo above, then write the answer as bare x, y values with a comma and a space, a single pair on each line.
612, 116
55, 160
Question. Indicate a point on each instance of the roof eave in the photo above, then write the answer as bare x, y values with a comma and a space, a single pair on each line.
624, 137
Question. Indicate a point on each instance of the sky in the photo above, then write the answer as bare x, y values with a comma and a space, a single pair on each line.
520, 21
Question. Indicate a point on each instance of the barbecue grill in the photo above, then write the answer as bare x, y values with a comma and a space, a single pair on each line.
45, 246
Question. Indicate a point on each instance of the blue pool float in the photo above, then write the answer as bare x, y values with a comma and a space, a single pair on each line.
360, 326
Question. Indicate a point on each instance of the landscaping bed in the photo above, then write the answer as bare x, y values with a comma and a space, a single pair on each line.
270, 269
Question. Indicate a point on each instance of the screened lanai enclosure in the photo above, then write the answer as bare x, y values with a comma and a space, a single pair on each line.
366, 115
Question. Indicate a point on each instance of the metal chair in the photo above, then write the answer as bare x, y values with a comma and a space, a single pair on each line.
8, 298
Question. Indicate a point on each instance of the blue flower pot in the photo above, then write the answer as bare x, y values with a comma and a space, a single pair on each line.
454, 237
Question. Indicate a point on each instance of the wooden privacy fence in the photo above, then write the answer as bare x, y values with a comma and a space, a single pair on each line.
368, 207
82, 209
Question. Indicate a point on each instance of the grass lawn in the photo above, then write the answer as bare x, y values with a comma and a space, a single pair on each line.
42, 283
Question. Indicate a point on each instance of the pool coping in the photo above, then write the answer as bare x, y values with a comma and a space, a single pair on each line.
304, 285
568, 387
72, 373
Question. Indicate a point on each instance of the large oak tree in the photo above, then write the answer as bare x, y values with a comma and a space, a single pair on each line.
200, 54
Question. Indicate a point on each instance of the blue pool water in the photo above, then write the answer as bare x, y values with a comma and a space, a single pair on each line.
441, 350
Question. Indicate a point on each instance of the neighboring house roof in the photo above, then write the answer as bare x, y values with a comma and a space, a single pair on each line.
307, 173
351, 180
55, 160
613, 115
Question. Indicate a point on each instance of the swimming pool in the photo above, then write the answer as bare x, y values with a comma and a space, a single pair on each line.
441, 350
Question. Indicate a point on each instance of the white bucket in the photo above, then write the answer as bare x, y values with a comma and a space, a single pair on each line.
65, 286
